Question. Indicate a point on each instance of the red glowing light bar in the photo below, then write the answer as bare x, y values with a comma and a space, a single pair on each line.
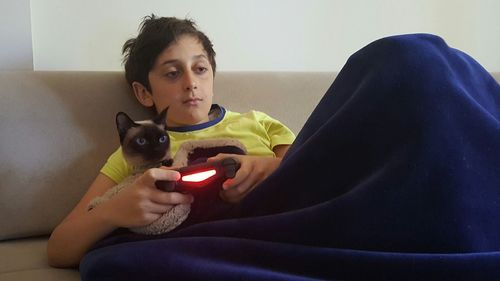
199, 176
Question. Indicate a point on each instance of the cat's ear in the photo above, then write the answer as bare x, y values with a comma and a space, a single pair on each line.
161, 118
123, 124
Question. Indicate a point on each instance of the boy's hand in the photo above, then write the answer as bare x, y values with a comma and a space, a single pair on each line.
142, 203
253, 170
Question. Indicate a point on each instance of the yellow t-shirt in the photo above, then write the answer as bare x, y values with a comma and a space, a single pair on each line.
257, 131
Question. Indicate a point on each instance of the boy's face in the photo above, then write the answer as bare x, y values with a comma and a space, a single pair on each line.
182, 79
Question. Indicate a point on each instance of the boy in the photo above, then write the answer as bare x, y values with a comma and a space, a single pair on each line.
170, 64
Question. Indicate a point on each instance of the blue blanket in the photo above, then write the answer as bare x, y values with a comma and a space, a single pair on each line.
395, 176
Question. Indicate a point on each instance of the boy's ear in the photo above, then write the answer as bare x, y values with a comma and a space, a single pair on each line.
142, 94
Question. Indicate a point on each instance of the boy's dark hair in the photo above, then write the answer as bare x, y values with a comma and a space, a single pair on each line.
156, 34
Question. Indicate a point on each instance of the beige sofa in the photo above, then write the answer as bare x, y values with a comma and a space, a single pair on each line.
57, 129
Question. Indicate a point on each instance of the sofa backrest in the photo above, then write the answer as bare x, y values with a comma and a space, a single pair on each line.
57, 130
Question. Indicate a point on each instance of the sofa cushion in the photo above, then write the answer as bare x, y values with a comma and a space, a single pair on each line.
55, 135
26, 259
48, 274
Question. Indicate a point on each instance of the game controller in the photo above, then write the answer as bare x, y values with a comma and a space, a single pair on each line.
198, 177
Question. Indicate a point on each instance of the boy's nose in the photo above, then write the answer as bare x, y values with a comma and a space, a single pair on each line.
191, 86
190, 82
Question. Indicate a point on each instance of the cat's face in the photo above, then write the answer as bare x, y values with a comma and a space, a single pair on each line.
143, 142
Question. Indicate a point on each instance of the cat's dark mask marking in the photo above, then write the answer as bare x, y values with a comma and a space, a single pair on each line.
124, 122
146, 142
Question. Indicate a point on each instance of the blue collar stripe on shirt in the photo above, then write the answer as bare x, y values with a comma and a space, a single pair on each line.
196, 127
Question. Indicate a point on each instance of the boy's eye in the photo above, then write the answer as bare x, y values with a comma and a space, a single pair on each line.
172, 74
163, 139
140, 141
201, 69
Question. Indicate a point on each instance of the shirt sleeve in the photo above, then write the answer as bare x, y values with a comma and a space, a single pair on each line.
116, 168
278, 133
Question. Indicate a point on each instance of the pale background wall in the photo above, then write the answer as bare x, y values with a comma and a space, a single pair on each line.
293, 35
15, 35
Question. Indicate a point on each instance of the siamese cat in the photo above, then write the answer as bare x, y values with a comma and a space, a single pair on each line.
145, 144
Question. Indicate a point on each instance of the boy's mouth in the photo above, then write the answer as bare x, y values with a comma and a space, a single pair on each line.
193, 101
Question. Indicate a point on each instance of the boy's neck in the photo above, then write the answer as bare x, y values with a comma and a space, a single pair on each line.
214, 113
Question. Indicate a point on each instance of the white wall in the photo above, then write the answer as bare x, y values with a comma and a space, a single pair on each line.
15, 33
293, 35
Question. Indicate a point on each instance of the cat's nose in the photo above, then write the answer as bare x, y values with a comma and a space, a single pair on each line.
159, 150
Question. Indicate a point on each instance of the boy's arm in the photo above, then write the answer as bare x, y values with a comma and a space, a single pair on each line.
253, 170
280, 150
74, 236
137, 205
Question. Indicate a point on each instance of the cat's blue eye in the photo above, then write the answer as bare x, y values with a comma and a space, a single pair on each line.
163, 139
140, 141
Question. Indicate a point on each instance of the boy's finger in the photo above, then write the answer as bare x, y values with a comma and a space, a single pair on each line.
155, 174
172, 198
